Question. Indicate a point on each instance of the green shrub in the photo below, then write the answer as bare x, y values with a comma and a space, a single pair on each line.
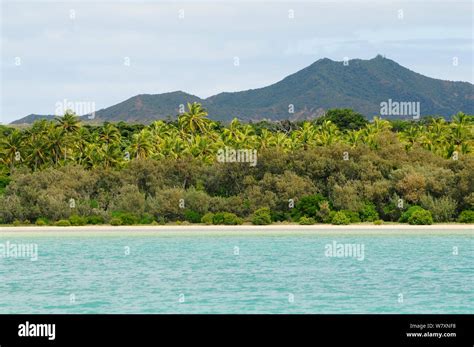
262, 216
161, 220
421, 217
198, 202
167, 203
62, 223
131, 200
378, 222
442, 209
233, 204
115, 221
42, 222
391, 212
232, 219
353, 216
4, 181
368, 213
340, 218
308, 206
226, 218
279, 216
93, 203
306, 221
94, 220
347, 195
466, 216
146, 218
218, 218
343, 118
208, 218
325, 214
192, 216
77, 220
407, 214
16, 222
127, 218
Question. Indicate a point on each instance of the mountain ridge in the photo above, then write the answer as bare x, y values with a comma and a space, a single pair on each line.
361, 85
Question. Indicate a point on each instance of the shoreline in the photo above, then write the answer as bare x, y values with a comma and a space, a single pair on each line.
239, 230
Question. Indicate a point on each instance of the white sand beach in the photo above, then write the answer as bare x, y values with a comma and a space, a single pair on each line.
224, 230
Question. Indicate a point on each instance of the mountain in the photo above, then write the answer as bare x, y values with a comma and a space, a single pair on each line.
361, 85
32, 118
146, 108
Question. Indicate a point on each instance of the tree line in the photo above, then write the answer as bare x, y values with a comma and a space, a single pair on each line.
338, 169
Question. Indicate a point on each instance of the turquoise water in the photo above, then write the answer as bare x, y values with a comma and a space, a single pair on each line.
238, 274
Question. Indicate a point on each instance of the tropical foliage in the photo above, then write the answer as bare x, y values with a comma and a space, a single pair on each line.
169, 171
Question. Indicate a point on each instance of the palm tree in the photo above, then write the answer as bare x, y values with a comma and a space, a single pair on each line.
160, 130
266, 139
56, 142
171, 147
141, 146
109, 155
11, 148
248, 138
411, 136
305, 135
233, 133
109, 134
448, 150
429, 140
83, 139
90, 155
381, 124
281, 140
69, 122
48, 143
37, 151
201, 147
194, 121
438, 126
328, 133
459, 135
461, 118
354, 137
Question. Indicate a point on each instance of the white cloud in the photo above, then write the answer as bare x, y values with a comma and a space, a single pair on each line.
82, 58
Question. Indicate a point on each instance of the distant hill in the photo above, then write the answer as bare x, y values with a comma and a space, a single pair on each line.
32, 118
362, 85
146, 108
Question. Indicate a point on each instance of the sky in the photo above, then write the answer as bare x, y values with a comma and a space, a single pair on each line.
105, 52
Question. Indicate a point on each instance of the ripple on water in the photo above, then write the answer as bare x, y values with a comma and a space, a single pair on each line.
289, 274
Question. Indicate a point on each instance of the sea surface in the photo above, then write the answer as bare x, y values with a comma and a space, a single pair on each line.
213, 273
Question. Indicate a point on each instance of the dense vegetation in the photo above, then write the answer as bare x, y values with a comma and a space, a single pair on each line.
65, 173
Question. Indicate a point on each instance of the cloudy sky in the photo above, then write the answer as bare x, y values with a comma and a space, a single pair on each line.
109, 51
